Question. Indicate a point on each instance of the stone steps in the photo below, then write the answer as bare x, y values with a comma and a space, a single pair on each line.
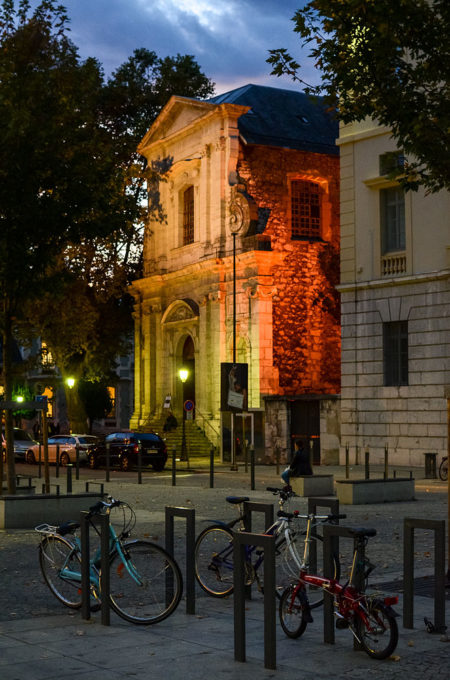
196, 441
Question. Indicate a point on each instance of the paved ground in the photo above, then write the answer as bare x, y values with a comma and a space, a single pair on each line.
40, 640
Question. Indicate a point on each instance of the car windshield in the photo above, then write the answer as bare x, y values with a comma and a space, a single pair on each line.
87, 440
22, 436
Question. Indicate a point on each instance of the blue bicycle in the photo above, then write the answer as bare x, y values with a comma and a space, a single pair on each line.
145, 581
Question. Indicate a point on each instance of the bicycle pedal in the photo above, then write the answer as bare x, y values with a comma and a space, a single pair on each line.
341, 624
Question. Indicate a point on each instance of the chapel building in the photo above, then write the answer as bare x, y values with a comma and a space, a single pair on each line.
243, 267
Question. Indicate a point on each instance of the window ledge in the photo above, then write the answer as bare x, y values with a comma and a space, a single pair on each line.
380, 182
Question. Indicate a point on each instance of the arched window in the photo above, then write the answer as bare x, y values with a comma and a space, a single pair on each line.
306, 212
188, 216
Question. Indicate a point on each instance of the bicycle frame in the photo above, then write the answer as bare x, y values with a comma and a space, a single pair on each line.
115, 547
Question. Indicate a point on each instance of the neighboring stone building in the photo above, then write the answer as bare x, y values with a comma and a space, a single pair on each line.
395, 295
263, 160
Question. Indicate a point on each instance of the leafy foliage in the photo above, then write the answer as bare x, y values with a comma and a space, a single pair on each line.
96, 400
389, 61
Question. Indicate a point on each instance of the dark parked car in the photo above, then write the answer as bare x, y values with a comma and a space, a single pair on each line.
124, 450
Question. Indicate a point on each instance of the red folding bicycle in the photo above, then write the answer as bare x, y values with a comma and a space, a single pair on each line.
370, 617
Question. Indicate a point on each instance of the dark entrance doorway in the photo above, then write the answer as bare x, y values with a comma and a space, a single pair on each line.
305, 424
188, 362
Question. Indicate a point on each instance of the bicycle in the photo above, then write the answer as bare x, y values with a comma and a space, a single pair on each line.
370, 618
145, 581
443, 469
214, 562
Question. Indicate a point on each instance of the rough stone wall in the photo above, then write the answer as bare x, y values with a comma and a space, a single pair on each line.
306, 314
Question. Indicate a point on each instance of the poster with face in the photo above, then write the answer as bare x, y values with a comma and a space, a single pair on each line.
234, 387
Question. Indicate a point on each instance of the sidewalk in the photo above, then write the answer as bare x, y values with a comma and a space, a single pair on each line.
39, 646
198, 646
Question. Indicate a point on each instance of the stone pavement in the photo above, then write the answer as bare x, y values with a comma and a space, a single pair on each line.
41, 640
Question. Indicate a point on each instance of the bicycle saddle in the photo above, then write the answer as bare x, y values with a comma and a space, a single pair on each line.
237, 499
361, 532
67, 527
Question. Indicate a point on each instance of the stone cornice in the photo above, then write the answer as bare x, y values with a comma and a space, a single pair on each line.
394, 281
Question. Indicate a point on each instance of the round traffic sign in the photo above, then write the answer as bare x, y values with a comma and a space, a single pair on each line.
188, 405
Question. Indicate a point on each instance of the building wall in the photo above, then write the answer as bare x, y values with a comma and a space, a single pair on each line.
287, 309
410, 419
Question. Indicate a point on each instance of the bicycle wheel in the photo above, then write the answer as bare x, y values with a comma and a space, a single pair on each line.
57, 556
214, 563
148, 587
379, 638
443, 469
291, 611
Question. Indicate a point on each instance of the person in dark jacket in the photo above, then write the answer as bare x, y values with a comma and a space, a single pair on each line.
300, 464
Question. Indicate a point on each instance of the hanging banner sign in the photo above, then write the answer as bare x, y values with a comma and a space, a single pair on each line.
233, 387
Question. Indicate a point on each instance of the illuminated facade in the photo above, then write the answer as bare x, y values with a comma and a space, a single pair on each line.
263, 161
395, 295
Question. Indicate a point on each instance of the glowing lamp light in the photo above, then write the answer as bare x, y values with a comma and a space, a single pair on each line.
183, 373
70, 382
20, 399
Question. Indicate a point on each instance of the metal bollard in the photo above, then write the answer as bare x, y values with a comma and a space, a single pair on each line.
366, 463
174, 466
347, 462
57, 460
252, 467
40, 461
77, 461
107, 462
386, 462
140, 463
211, 468
69, 477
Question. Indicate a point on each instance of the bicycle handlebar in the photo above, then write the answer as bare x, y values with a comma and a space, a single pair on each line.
296, 515
98, 507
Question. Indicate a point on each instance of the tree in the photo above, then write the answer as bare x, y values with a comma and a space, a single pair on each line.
60, 181
86, 336
389, 61
96, 400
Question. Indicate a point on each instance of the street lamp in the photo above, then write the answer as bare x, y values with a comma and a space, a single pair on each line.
70, 382
183, 374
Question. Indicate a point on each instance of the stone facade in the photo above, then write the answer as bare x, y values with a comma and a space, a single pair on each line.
287, 309
380, 289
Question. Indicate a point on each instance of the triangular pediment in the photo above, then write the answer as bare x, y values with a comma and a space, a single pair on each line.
178, 113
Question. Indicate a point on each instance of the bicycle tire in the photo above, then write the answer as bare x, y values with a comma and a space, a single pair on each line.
380, 642
443, 470
291, 612
55, 555
288, 569
160, 586
214, 562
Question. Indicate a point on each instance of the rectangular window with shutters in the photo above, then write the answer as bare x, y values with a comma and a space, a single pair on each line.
188, 216
395, 353
305, 209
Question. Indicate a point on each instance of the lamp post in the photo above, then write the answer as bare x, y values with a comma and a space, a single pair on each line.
236, 223
183, 374
70, 382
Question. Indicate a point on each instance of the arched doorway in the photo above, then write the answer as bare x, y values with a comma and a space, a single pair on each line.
188, 362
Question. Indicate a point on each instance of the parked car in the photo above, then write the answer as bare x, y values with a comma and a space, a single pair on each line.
67, 448
124, 450
23, 442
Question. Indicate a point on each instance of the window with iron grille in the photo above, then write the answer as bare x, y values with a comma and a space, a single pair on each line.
188, 216
305, 209
395, 353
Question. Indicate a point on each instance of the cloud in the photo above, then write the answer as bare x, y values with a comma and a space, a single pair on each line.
230, 39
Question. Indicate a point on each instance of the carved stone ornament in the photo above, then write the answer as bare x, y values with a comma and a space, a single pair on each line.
180, 313
243, 211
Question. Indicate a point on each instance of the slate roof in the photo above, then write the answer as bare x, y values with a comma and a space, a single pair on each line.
283, 118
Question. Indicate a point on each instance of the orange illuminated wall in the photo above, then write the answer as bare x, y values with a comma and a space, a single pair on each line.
304, 330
